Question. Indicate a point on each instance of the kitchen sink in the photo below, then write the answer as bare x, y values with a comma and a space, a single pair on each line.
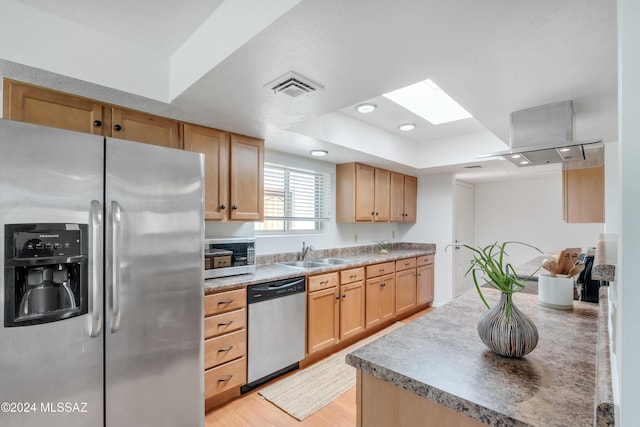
304, 264
333, 261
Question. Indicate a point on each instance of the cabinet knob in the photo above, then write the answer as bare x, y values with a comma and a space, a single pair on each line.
376, 213
344, 295
223, 206
373, 212
97, 123
117, 128
234, 207
382, 285
337, 297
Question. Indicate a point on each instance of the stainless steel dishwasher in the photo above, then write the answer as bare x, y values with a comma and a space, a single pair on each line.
276, 313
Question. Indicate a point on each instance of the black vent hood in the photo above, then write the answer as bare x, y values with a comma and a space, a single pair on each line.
543, 135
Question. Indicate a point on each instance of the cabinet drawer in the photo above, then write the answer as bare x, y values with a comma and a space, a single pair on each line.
225, 377
351, 275
225, 301
405, 264
224, 323
323, 281
380, 269
225, 348
425, 260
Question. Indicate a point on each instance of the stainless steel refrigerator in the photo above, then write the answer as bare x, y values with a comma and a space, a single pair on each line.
101, 290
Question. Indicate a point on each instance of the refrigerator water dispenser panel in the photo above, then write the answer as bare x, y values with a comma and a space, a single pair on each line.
45, 273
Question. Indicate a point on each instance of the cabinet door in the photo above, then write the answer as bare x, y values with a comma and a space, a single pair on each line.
382, 191
247, 179
351, 309
322, 319
214, 144
425, 284
405, 290
365, 184
397, 197
142, 127
583, 191
40, 106
387, 298
372, 302
410, 198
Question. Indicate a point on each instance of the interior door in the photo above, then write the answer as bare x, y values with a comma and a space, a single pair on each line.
463, 235
154, 286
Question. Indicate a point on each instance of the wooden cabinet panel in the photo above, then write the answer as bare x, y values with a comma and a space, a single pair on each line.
424, 260
322, 319
45, 107
405, 290
382, 183
214, 144
225, 348
225, 301
380, 269
225, 377
224, 323
364, 194
583, 191
404, 264
352, 301
351, 275
424, 284
380, 299
323, 281
247, 179
410, 198
397, 197
142, 127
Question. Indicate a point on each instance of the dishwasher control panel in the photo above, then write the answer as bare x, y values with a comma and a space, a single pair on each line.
277, 289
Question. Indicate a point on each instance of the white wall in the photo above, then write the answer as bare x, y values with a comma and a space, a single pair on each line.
530, 211
611, 188
627, 286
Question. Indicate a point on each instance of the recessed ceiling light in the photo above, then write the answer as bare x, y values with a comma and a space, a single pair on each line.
428, 101
524, 162
318, 153
515, 156
366, 108
564, 150
406, 127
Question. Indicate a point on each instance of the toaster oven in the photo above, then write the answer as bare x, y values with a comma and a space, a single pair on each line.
228, 256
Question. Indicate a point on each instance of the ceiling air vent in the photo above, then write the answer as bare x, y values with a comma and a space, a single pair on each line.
294, 85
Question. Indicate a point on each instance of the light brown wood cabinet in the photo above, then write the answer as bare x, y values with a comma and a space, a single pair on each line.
405, 299
583, 195
380, 294
225, 345
404, 193
323, 318
365, 193
46, 107
246, 194
352, 300
424, 281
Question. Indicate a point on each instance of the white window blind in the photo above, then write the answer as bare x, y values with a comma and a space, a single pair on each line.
294, 199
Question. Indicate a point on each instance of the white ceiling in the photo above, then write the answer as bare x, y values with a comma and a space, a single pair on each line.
493, 57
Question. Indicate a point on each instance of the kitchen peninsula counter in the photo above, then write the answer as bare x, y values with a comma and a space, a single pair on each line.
439, 360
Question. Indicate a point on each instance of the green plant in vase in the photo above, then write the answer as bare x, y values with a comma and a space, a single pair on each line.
383, 246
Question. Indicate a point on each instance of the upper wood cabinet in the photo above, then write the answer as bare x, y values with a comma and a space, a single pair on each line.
142, 127
583, 194
46, 107
40, 106
404, 192
247, 178
214, 144
365, 193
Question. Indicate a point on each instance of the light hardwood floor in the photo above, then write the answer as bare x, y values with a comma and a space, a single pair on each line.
251, 410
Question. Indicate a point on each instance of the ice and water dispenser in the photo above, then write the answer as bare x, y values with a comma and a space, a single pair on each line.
45, 273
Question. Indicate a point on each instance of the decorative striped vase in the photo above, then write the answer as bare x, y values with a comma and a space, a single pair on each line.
513, 336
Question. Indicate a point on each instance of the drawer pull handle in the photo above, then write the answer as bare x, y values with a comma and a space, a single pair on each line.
406, 264
224, 350
226, 324
225, 302
324, 282
224, 380
353, 276
381, 270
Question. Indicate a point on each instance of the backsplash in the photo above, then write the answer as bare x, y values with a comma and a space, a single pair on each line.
341, 252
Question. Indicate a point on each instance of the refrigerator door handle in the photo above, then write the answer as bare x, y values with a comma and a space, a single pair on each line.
95, 268
116, 225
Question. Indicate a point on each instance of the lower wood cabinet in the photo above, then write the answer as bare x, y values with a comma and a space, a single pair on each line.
323, 313
424, 280
225, 345
380, 300
352, 302
405, 290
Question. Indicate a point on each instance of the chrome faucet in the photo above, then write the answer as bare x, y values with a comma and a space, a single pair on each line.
305, 251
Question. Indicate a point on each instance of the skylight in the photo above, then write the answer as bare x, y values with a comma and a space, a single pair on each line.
428, 101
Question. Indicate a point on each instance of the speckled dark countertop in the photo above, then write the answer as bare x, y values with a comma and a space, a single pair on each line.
604, 264
275, 271
440, 357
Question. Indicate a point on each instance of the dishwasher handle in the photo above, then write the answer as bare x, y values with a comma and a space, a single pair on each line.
272, 290
286, 284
